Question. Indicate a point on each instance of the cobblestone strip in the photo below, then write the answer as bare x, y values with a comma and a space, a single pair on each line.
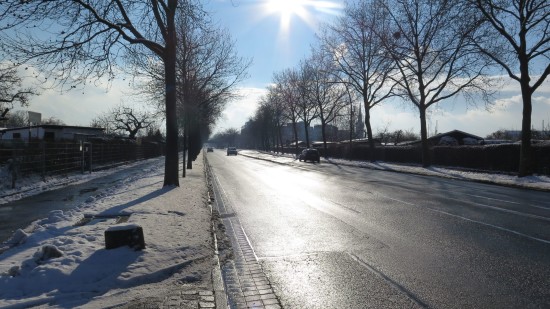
177, 298
245, 281
190, 299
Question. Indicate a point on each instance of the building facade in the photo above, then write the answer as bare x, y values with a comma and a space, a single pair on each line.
49, 133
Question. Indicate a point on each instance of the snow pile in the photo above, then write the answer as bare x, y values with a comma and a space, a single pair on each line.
64, 263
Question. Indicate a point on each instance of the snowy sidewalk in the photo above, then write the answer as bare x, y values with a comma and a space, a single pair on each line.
173, 271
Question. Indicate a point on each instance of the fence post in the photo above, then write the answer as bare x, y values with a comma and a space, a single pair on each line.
82, 160
13, 168
90, 157
43, 160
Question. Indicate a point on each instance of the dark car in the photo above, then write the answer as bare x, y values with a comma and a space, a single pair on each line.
310, 154
231, 151
209, 149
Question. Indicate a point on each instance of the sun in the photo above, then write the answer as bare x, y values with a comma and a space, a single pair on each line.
286, 9
308, 11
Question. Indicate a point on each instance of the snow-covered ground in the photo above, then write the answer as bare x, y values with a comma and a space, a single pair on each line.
537, 182
64, 264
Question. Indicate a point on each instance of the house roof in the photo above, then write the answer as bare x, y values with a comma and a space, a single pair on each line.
459, 135
456, 134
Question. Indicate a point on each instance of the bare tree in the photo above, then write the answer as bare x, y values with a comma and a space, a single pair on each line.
286, 86
75, 40
431, 43
53, 121
522, 50
307, 108
16, 119
276, 100
226, 138
209, 70
11, 90
125, 120
263, 125
325, 89
356, 49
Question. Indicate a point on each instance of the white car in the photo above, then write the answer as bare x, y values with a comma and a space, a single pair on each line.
231, 151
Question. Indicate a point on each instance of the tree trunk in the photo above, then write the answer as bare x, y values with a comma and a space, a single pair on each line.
171, 160
306, 126
280, 137
369, 133
424, 138
525, 157
350, 131
184, 152
295, 136
323, 126
189, 164
191, 144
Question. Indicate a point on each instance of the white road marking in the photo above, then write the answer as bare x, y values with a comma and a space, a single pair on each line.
471, 220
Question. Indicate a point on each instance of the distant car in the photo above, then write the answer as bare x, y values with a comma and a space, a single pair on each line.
209, 149
310, 154
231, 151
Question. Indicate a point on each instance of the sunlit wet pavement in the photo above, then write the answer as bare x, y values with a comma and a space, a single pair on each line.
334, 237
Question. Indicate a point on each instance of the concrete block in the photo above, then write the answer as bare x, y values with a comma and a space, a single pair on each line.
125, 235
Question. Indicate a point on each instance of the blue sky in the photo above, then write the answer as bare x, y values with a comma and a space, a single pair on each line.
273, 47
277, 37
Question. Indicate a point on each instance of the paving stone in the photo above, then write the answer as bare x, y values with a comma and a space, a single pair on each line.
247, 283
270, 301
248, 289
261, 282
250, 293
207, 305
208, 298
255, 304
252, 298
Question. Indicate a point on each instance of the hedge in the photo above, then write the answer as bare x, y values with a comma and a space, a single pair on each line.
498, 158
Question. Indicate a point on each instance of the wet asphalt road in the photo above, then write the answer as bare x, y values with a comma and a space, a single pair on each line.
330, 236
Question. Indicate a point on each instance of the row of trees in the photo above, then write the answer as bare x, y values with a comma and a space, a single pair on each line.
421, 51
175, 52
